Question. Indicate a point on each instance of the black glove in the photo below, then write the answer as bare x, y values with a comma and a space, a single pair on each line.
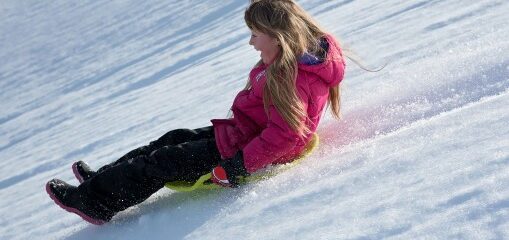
229, 170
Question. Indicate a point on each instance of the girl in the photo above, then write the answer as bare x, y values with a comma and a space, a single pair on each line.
273, 119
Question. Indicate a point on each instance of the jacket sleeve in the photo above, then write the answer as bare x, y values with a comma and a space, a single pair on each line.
277, 139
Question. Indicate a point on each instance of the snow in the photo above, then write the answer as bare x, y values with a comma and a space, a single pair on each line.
422, 150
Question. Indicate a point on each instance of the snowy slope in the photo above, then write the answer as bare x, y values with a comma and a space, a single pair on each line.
422, 150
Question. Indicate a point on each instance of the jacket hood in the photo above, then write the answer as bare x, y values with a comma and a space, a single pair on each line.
331, 70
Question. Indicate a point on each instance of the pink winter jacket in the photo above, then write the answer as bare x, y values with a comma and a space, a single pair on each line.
269, 139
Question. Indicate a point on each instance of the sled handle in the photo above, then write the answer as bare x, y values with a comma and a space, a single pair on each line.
202, 183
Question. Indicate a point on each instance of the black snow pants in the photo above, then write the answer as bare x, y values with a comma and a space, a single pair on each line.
179, 155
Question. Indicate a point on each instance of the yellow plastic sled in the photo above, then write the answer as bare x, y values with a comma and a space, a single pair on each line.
204, 182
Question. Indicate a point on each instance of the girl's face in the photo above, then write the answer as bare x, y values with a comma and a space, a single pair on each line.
267, 45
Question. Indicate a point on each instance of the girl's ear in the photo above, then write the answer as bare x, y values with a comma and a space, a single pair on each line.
276, 41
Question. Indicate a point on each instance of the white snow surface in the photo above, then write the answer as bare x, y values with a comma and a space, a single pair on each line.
421, 152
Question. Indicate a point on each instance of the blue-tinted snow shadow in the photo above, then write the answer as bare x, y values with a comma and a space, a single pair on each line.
329, 7
167, 42
460, 199
454, 19
387, 232
493, 212
69, 157
170, 216
384, 18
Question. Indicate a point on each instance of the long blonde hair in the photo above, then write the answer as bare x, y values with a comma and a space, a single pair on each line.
297, 33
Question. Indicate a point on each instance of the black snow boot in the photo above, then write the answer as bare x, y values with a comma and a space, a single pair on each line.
82, 171
70, 199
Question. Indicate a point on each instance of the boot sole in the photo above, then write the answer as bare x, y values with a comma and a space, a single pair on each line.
76, 173
73, 210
